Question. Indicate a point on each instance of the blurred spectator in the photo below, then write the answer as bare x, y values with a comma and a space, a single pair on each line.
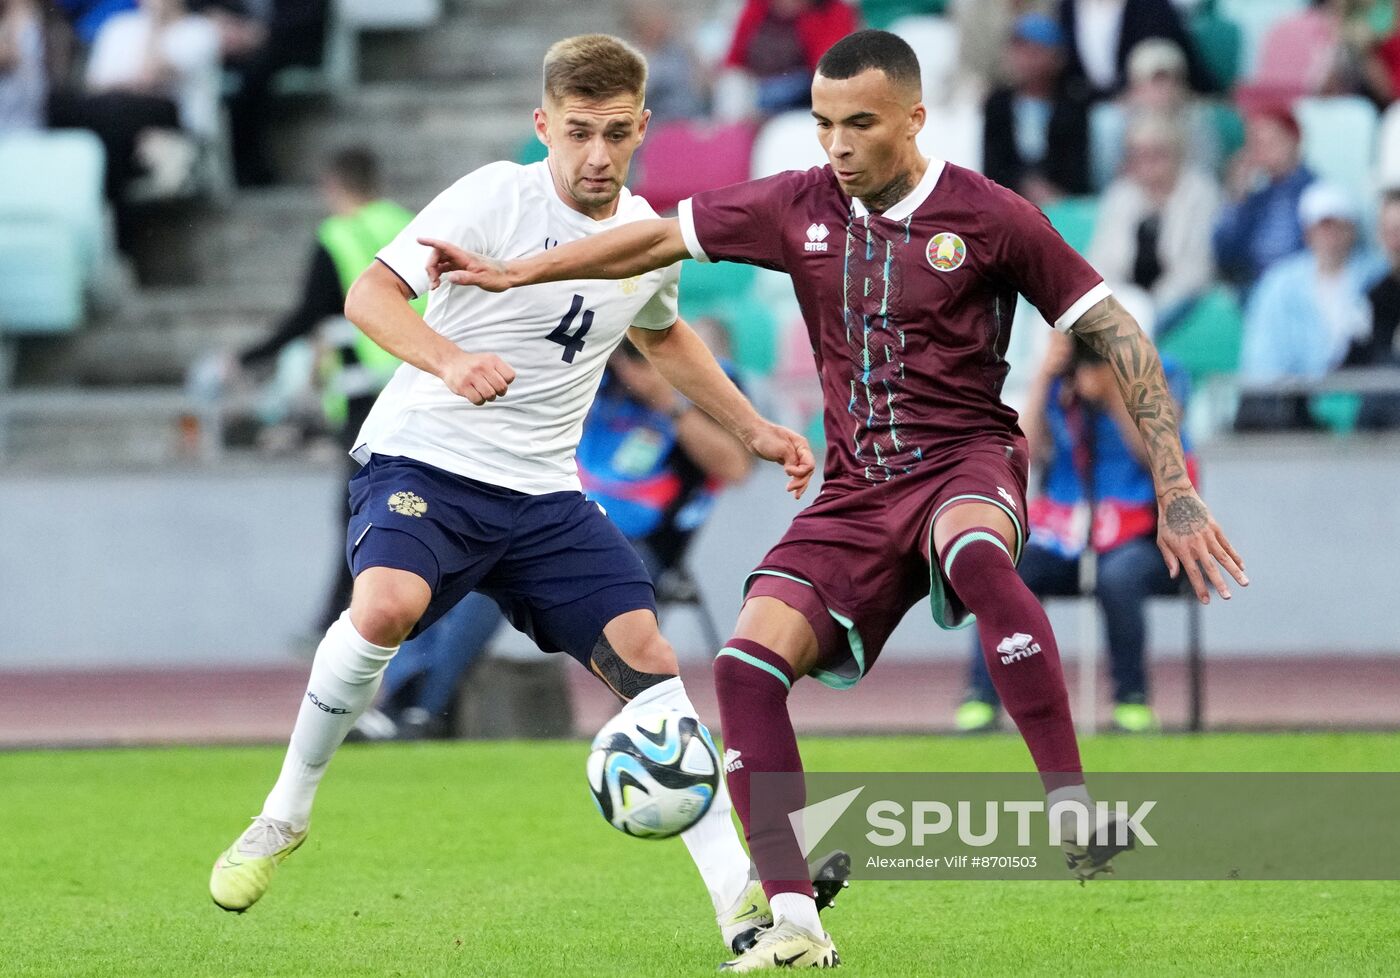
674, 90
88, 16
361, 221
23, 82
1095, 483
160, 50
295, 35
1103, 32
1307, 311
1308, 53
1378, 348
1151, 229
984, 28
779, 42
1157, 85
651, 460
1036, 137
151, 94
1260, 224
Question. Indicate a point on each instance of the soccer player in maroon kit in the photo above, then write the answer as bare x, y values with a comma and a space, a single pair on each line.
907, 272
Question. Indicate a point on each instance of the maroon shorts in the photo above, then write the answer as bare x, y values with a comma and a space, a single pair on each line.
861, 554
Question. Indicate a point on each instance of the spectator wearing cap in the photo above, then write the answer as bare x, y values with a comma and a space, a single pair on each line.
1158, 85
1101, 33
1265, 181
1152, 231
1307, 310
1036, 137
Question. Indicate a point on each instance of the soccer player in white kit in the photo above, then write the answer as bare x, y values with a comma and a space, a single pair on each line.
469, 480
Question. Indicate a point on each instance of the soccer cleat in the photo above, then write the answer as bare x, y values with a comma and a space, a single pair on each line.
830, 877
741, 924
1134, 718
975, 716
744, 921
244, 871
785, 945
1096, 858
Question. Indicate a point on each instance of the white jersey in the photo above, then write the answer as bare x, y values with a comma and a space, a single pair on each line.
557, 336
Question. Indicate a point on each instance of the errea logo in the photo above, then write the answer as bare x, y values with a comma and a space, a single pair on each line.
816, 237
1016, 647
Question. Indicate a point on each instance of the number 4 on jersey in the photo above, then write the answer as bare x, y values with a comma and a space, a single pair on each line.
572, 342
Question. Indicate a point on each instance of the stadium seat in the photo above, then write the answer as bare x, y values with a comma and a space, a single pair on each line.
531, 150
935, 41
953, 132
41, 276
1254, 18
1388, 149
1339, 142
1219, 41
786, 142
882, 13
1074, 218
56, 176
1207, 342
682, 158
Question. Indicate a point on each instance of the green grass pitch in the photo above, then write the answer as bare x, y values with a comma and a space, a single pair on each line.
488, 859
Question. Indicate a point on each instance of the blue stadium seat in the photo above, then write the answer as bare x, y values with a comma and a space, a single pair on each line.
56, 175
1339, 142
41, 276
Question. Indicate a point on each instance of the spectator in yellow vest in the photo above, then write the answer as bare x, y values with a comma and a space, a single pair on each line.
361, 222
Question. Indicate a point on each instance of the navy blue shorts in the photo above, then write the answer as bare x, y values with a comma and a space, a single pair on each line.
559, 568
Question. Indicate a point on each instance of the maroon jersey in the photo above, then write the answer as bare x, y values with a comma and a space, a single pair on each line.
909, 312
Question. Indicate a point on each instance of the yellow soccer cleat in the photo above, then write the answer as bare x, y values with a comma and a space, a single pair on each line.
243, 873
785, 945
741, 924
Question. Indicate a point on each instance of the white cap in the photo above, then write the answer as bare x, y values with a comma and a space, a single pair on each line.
1322, 201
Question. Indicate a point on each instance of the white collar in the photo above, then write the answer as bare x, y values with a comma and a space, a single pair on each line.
912, 201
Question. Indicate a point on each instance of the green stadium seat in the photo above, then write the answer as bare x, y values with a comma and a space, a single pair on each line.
1207, 342
41, 276
1074, 218
1336, 411
531, 151
882, 13
1219, 41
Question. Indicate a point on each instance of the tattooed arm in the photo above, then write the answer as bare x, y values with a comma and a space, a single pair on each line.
1186, 534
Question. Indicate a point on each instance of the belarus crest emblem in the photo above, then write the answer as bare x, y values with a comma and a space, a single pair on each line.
946, 251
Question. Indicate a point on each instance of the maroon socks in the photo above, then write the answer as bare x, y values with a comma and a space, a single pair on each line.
1020, 650
753, 684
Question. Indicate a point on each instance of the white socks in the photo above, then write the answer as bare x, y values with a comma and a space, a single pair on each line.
713, 842
344, 679
799, 909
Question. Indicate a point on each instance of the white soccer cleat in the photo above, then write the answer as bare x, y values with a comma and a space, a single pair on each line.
741, 924
785, 945
243, 873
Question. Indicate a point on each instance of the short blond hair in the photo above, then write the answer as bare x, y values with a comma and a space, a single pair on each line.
593, 66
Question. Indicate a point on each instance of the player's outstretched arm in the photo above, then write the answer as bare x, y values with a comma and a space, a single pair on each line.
684, 360
377, 304
1187, 535
633, 249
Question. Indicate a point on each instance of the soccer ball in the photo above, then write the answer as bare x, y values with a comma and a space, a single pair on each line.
653, 773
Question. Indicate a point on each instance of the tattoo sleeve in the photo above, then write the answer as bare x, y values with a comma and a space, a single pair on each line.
1111, 332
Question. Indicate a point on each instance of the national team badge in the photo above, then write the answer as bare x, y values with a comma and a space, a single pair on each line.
946, 251
408, 504
629, 286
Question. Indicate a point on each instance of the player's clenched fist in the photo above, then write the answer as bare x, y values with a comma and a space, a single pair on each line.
479, 377
458, 266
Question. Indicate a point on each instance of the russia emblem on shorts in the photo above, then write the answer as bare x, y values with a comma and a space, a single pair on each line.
946, 251
408, 504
